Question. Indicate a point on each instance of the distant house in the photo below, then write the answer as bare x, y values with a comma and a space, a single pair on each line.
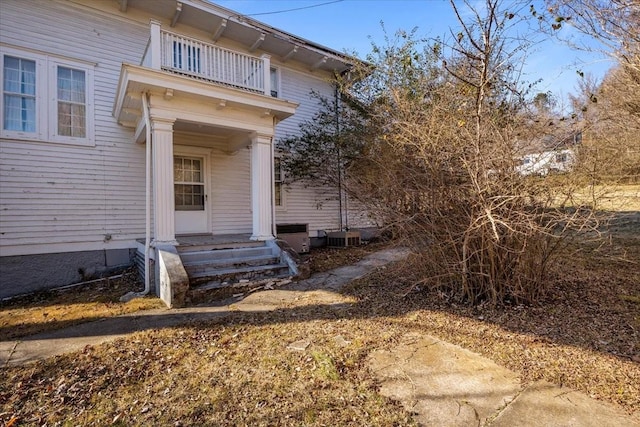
134, 121
549, 155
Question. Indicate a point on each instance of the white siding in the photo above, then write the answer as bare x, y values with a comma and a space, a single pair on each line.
56, 197
62, 197
297, 87
317, 207
231, 192
314, 206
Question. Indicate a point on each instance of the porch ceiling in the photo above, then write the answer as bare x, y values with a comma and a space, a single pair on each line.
197, 106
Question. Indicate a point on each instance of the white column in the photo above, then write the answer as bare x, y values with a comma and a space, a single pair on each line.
163, 192
266, 63
155, 45
261, 187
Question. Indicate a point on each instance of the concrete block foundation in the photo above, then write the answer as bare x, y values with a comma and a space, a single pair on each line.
30, 273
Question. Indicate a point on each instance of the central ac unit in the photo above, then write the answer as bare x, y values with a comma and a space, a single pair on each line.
343, 239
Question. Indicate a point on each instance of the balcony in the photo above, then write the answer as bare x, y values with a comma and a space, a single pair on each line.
186, 56
199, 84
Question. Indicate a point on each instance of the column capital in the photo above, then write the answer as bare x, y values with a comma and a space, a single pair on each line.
260, 138
162, 123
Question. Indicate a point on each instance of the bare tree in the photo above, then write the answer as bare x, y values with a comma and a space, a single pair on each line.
609, 112
613, 23
444, 170
444, 128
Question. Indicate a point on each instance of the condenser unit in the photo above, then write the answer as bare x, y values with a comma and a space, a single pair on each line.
296, 235
343, 239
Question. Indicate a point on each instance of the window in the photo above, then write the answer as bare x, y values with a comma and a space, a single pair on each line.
19, 94
275, 82
45, 98
278, 184
72, 111
189, 184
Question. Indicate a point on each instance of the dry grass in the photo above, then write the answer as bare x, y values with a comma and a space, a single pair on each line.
234, 372
238, 370
46, 311
585, 334
612, 198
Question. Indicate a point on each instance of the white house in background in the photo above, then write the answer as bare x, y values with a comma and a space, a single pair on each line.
127, 122
549, 155
546, 162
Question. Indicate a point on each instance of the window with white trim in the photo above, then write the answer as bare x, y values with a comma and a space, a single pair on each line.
561, 157
19, 94
278, 183
72, 102
275, 82
45, 98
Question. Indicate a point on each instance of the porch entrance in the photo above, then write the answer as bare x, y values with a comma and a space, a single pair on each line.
190, 190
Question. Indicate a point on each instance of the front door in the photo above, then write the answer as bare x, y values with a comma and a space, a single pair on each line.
190, 194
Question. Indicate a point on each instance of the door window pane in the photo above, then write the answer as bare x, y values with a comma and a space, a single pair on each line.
189, 197
189, 184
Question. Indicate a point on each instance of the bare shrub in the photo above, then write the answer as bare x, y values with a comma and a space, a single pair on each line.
438, 164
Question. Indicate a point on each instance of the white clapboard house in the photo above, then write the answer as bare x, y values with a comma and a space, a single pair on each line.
142, 131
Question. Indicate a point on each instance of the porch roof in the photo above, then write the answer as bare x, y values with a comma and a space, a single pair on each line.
194, 98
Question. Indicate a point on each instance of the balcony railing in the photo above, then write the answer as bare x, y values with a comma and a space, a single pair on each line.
204, 61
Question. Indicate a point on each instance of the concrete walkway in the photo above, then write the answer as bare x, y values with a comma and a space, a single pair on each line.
440, 383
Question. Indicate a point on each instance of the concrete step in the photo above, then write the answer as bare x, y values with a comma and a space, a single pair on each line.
213, 265
190, 257
222, 277
218, 246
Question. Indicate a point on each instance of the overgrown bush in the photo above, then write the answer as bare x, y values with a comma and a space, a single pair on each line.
439, 129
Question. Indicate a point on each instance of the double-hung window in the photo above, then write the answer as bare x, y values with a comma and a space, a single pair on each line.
45, 98
19, 94
275, 81
71, 102
278, 183
561, 157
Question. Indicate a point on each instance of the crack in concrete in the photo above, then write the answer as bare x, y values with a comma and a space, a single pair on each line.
490, 420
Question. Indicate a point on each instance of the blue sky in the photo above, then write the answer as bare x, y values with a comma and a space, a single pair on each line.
351, 25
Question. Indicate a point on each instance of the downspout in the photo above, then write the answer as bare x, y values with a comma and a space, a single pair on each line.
147, 189
339, 157
273, 188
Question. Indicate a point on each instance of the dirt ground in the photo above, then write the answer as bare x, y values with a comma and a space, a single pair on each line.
49, 310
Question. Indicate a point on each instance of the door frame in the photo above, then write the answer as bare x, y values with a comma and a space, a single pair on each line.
205, 155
